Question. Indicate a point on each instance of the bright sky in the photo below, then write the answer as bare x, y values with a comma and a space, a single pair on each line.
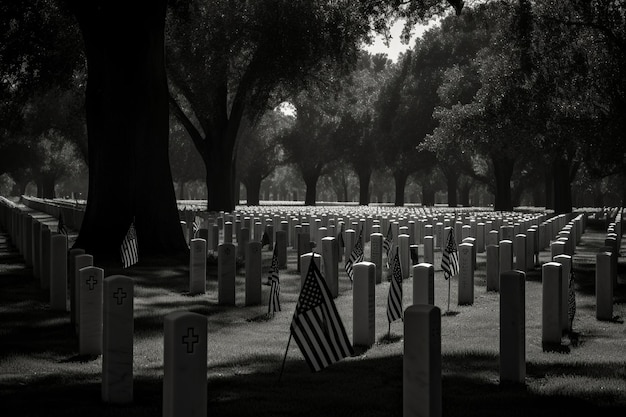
395, 45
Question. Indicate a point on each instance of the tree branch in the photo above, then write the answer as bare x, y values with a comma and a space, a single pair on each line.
194, 134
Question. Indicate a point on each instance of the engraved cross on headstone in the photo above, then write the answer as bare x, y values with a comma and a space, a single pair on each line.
119, 295
190, 339
92, 281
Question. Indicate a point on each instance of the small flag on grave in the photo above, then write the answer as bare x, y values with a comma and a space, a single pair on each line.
274, 303
265, 240
316, 325
197, 221
130, 255
388, 244
61, 226
450, 257
394, 299
355, 257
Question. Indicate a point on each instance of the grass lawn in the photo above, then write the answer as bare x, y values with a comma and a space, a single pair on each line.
41, 373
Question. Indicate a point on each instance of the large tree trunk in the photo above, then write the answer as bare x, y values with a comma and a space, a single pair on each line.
452, 180
549, 186
253, 190
400, 181
562, 186
428, 195
127, 126
311, 189
364, 187
220, 177
45, 187
503, 171
464, 191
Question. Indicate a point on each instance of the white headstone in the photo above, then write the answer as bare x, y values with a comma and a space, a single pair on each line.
226, 269
513, 327
364, 304
73, 285
421, 381
566, 268
557, 248
46, 236
480, 237
429, 250
36, 249
117, 340
604, 286
281, 247
551, 275
58, 272
304, 246
350, 241
253, 273
424, 284
331, 264
90, 322
405, 255
520, 252
197, 266
466, 275
506, 256
376, 254
185, 365
493, 268
493, 237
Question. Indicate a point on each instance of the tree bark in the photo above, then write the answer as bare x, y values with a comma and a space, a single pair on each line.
562, 186
400, 181
549, 186
253, 190
503, 171
464, 192
452, 180
428, 196
45, 187
364, 187
127, 126
311, 189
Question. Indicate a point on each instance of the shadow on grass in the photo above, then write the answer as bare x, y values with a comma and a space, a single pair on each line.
352, 387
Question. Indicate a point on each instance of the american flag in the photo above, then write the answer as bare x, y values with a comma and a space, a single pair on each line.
571, 299
394, 299
450, 257
265, 239
388, 244
197, 221
61, 226
355, 257
274, 303
128, 250
316, 325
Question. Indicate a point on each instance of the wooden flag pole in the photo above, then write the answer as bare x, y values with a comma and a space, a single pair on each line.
282, 369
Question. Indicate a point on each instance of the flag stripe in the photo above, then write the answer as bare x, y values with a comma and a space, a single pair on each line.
129, 251
316, 325
394, 299
450, 257
355, 257
274, 302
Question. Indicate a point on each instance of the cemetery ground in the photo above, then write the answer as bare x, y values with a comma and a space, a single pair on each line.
41, 373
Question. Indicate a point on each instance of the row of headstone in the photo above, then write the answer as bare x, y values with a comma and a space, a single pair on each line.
101, 309
322, 225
